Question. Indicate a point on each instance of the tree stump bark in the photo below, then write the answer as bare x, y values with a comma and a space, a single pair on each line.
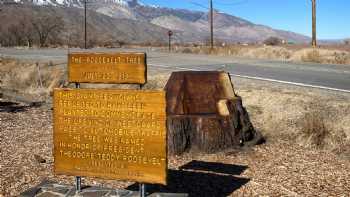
205, 115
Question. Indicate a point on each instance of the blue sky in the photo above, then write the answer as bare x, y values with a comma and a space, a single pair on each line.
294, 15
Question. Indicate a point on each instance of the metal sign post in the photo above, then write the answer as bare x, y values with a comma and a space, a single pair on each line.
77, 178
142, 190
78, 184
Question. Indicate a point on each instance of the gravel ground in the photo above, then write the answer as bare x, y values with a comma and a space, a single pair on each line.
281, 167
285, 166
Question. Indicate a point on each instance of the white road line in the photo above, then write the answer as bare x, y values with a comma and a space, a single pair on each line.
172, 68
291, 83
261, 79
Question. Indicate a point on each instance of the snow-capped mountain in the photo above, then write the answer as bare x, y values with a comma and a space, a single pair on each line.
188, 25
73, 3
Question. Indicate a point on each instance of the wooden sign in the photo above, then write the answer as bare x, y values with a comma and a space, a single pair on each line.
128, 68
111, 134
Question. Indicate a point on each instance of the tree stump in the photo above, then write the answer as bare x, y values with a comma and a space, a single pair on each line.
205, 115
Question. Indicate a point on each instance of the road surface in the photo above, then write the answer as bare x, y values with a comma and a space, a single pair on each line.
330, 77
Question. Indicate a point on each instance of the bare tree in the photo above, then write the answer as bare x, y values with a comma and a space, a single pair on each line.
45, 24
16, 35
74, 38
27, 29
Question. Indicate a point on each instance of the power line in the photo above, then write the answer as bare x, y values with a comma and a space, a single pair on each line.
210, 19
232, 3
198, 4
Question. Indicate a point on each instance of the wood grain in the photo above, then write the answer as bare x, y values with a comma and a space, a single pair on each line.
128, 68
205, 115
111, 134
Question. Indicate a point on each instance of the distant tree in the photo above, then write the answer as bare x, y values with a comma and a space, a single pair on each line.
74, 38
16, 28
45, 25
16, 35
272, 41
347, 42
121, 43
27, 30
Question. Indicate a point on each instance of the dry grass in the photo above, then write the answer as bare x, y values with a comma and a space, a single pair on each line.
322, 56
30, 78
329, 55
314, 130
307, 117
316, 119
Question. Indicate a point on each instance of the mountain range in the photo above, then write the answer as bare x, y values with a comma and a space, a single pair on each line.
133, 20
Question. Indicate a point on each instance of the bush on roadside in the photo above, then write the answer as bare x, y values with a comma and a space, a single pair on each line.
312, 56
317, 130
313, 129
341, 58
273, 41
187, 50
31, 79
347, 42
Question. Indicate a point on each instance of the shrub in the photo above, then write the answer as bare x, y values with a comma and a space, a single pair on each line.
273, 41
312, 56
347, 42
313, 129
341, 58
187, 50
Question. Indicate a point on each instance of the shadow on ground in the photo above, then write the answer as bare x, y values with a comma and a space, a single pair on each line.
198, 178
13, 107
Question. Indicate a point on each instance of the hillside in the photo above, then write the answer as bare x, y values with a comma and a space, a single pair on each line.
133, 22
101, 28
192, 26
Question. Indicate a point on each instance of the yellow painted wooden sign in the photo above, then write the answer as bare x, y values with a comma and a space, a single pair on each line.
111, 134
129, 68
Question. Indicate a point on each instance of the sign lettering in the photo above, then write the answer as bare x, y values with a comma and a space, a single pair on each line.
112, 134
107, 68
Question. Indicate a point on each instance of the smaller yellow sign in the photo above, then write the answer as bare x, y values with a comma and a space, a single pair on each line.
128, 68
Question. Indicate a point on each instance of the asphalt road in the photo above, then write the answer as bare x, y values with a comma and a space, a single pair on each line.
330, 77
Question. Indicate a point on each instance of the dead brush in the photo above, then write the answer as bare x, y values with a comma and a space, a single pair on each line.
314, 131
312, 56
30, 78
341, 58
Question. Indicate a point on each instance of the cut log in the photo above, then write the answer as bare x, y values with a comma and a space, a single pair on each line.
205, 115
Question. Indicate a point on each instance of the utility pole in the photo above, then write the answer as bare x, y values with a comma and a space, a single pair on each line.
314, 39
170, 33
211, 24
85, 33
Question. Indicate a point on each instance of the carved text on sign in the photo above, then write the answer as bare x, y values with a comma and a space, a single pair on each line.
112, 134
107, 68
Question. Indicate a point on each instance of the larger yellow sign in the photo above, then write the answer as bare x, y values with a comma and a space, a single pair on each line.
112, 134
107, 68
